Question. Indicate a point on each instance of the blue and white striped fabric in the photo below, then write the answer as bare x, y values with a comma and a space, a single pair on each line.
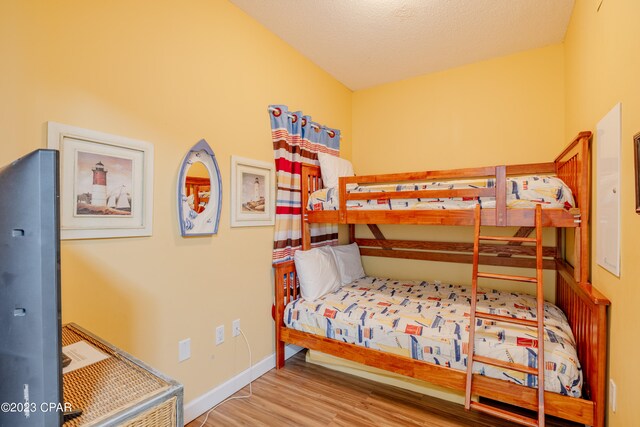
297, 140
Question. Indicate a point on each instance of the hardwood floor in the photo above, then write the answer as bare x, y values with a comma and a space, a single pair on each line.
304, 394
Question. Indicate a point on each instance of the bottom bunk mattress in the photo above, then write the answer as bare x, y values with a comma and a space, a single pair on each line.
429, 321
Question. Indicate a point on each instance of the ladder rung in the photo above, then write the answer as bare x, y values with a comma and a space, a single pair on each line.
505, 415
537, 323
508, 277
509, 239
515, 320
507, 365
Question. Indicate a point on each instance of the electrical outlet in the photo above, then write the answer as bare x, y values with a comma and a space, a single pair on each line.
612, 395
219, 334
235, 328
184, 350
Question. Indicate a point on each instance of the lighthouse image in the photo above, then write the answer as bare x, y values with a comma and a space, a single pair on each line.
256, 190
103, 185
252, 193
99, 189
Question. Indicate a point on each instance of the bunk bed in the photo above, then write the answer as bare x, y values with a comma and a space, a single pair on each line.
198, 192
585, 308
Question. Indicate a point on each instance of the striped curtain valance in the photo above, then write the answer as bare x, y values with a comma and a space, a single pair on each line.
296, 140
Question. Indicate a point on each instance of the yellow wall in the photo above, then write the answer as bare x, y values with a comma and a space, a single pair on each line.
504, 110
168, 72
602, 55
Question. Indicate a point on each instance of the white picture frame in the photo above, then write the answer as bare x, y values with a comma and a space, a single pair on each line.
253, 192
106, 183
608, 232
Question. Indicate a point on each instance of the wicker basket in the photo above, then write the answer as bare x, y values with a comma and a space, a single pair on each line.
118, 390
163, 415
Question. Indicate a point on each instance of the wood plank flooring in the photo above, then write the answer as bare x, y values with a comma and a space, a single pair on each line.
303, 394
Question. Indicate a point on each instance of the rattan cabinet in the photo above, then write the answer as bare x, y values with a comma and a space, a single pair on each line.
120, 390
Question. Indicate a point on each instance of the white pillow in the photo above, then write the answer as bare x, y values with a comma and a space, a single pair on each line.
317, 272
349, 262
332, 168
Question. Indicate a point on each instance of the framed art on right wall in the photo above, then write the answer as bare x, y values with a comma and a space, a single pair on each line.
636, 160
607, 185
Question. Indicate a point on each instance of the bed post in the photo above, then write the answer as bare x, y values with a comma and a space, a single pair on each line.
501, 195
310, 181
342, 197
306, 234
584, 182
352, 233
286, 290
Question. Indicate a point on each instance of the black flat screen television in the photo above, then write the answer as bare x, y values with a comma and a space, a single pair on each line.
30, 320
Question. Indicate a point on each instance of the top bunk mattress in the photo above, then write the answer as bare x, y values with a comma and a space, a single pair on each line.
429, 321
523, 192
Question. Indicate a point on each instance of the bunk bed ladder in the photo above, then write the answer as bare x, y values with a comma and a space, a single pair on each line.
538, 323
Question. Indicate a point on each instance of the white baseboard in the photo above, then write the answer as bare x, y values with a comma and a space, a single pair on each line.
202, 404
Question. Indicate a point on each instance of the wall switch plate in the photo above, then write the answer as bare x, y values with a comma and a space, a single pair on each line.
219, 334
235, 328
612, 395
184, 350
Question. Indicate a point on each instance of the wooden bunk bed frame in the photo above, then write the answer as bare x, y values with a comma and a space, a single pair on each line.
193, 185
584, 306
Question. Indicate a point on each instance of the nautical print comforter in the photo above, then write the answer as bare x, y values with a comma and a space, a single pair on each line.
429, 321
522, 192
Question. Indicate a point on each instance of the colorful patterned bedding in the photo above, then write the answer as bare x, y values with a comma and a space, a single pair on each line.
522, 192
429, 321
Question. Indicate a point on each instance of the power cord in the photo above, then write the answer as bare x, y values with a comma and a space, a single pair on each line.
250, 381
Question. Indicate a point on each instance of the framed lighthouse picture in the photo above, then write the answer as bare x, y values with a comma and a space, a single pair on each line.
252, 192
106, 183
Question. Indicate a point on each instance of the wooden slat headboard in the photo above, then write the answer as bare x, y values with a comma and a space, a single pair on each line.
573, 166
586, 311
311, 180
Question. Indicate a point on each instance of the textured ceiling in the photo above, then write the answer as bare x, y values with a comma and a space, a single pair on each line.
363, 43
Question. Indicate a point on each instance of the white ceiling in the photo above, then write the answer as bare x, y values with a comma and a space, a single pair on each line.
363, 43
